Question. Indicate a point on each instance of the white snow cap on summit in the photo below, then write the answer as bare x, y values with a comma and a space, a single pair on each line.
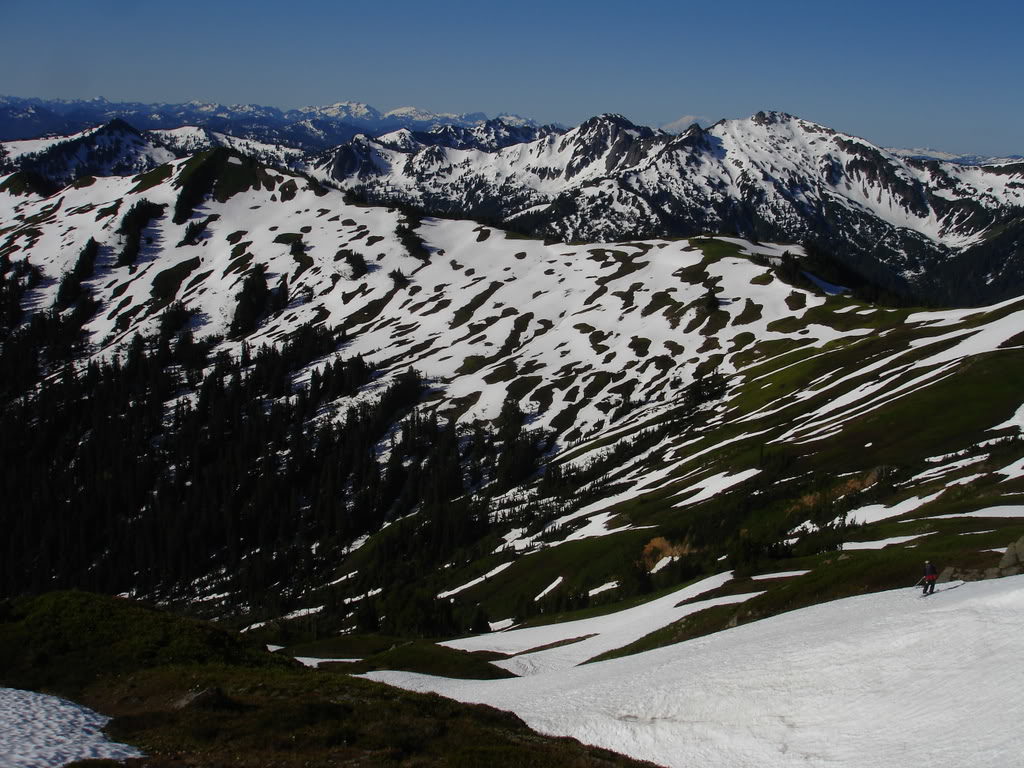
682, 123
343, 109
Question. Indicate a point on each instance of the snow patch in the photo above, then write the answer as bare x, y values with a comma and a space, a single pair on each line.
603, 588
548, 588
779, 575
880, 543
474, 582
1015, 510
40, 731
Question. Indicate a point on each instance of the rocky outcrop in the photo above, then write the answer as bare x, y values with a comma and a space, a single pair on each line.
1010, 564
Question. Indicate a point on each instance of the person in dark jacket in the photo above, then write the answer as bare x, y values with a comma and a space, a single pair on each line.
931, 573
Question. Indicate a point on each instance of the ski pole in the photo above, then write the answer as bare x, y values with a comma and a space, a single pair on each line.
918, 582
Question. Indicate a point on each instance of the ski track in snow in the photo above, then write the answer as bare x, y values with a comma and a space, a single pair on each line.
873, 681
40, 731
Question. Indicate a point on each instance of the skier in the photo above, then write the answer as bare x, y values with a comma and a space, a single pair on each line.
931, 573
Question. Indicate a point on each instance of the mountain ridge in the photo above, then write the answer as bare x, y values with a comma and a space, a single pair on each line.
913, 227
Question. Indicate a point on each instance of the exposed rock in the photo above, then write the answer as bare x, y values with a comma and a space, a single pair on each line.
1013, 556
1010, 564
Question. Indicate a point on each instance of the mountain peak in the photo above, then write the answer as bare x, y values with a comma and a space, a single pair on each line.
772, 117
117, 125
610, 117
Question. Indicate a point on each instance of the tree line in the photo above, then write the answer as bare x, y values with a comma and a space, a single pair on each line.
153, 469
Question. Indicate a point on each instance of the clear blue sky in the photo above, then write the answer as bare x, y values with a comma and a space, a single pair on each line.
940, 74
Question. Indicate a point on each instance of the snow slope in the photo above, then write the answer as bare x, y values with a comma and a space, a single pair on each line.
586, 638
191, 139
21, 147
887, 679
39, 731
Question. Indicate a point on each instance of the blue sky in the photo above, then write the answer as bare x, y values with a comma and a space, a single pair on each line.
940, 74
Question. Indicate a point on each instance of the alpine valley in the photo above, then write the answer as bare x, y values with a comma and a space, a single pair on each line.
564, 399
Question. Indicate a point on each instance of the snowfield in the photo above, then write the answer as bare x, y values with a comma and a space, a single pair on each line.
574, 642
39, 731
886, 679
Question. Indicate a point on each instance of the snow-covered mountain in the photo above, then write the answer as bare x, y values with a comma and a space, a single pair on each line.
352, 112
189, 140
488, 136
919, 230
61, 158
606, 347
114, 149
23, 120
357, 416
688, 407
915, 227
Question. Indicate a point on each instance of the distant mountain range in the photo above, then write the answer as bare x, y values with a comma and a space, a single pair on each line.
309, 128
925, 153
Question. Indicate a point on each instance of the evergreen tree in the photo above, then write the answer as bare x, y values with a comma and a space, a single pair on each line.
252, 301
132, 225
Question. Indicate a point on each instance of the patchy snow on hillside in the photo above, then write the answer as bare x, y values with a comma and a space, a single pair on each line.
40, 731
586, 638
873, 681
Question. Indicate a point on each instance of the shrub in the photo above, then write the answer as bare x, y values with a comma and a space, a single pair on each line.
399, 278
356, 263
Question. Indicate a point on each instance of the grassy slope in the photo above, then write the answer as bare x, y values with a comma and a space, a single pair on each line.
190, 694
949, 415
946, 416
